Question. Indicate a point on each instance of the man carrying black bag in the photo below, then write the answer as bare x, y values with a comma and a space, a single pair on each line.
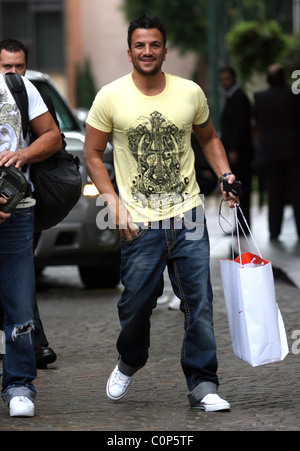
13, 59
17, 279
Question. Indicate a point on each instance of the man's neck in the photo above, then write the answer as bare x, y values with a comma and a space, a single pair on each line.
151, 85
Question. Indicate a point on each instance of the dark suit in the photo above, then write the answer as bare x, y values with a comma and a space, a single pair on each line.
236, 136
277, 111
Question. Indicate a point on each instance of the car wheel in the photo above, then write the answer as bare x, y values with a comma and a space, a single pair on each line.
99, 276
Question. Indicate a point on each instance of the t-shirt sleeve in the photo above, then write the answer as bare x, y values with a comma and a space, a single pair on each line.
100, 116
36, 105
202, 109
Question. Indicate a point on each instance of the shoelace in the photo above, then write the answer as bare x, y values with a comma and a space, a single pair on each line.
120, 379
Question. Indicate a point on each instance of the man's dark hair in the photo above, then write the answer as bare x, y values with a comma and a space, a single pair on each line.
228, 70
276, 75
147, 22
13, 46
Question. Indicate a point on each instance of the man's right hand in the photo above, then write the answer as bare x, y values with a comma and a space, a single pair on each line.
120, 216
124, 222
3, 216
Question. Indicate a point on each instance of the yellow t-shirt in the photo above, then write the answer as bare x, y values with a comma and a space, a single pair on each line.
153, 157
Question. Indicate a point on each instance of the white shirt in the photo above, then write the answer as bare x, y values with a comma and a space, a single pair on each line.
11, 133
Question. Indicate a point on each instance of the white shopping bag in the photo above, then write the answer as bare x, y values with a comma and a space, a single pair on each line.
255, 322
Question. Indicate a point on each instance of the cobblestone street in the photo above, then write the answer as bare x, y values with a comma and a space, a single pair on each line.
82, 327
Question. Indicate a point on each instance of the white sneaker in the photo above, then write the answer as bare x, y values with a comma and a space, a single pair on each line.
117, 385
21, 406
212, 403
162, 299
174, 303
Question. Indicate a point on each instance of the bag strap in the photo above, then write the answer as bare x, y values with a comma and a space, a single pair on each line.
16, 86
238, 224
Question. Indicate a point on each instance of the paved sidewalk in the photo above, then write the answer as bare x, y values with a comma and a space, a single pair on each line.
82, 326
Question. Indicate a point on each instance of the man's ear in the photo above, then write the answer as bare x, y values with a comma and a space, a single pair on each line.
129, 55
165, 53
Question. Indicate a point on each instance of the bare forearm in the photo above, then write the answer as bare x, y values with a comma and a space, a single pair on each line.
95, 144
100, 177
216, 157
118, 212
39, 150
43, 147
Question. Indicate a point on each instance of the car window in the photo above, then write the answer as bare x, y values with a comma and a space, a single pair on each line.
67, 121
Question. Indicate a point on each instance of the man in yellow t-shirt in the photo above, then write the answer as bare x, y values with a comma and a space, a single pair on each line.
153, 157
158, 209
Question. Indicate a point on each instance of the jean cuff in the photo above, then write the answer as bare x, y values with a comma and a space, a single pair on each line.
126, 369
203, 389
18, 390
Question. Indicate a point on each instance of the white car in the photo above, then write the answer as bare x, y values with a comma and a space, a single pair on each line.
77, 240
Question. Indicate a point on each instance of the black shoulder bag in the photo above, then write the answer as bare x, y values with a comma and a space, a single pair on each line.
56, 180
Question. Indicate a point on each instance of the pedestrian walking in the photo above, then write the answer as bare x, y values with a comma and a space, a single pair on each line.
17, 278
151, 115
277, 112
236, 134
14, 59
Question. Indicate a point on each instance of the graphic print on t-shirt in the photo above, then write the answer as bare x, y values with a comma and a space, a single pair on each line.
10, 124
157, 145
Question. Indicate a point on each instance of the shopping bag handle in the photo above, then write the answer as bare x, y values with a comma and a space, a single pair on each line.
239, 225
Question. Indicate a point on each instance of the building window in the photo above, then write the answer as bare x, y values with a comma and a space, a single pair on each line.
15, 20
40, 26
49, 44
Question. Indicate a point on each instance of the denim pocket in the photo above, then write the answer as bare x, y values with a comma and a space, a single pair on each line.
141, 232
24, 212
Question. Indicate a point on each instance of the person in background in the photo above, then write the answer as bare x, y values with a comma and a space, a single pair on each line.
17, 277
151, 115
236, 135
14, 59
277, 112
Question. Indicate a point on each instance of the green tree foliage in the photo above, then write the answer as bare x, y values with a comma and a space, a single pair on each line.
255, 45
291, 58
85, 86
185, 22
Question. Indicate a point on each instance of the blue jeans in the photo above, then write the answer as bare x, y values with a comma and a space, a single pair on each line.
144, 259
17, 295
